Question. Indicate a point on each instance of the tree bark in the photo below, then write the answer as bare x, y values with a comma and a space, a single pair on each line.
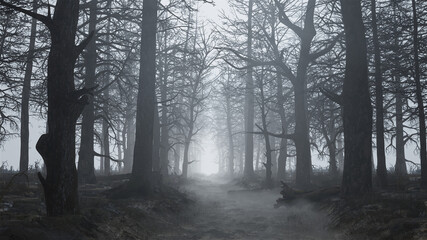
177, 155
86, 167
419, 97
268, 163
130, 141
258, 154
273, 155
381, 163
185, 159
156, 142
106, 140
400, 166
249, 105
329, 135
340, 153
105, 107
299, 83
164, 129
357, 109
302, 142
25, 99
65, 104
283, 153
230, 164
142, 164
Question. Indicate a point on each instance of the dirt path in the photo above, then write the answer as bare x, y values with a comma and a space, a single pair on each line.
224, 211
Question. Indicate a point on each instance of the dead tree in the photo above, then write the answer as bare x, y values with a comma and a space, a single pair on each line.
25, 98
357, 109
142, 164
419, 97
249, 105
86, 168
381, 163
65, 104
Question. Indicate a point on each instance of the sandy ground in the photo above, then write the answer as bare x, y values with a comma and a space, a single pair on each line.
226, 211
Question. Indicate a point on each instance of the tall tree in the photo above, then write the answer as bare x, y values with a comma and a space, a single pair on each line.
264, 128
249, 104
65, 104
164, 127
142, 163
25, 98
357, 109
419, 97
299, 82
86, 168
400, 166
379, 124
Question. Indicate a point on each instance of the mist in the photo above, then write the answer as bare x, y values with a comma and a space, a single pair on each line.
212, 119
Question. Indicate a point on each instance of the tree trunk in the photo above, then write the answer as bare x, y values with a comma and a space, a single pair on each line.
381, 163
156, 142
106, 142
302, 142
400, 166
86, 167
142, 164
230, 167
65, 104
258, 154
119, 149
185, 160
105, 108
130, 141
357, 109
419, 97
25, 100
333, 169
281, 161
101, 159
249, 106
273, 155
340, 153
299, 83
177, 155
164, 141
268, 163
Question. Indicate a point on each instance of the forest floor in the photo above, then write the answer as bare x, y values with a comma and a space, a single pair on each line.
208, 209
224, 210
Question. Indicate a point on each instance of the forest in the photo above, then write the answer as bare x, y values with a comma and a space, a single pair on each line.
213, 119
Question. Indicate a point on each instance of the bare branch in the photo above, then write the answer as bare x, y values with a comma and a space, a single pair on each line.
285, 19
44, 19
106, 156
280, 135
321, 52
79, 48
332, 96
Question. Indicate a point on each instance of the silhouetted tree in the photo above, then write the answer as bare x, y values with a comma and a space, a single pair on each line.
357, 109
142, 164
65, 104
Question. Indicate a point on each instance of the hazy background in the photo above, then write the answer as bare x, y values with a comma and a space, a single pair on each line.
9, 151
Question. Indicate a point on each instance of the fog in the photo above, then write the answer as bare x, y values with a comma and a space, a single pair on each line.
232, 212
223, 119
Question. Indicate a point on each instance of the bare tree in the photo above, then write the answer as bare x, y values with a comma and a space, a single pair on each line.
357, 109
